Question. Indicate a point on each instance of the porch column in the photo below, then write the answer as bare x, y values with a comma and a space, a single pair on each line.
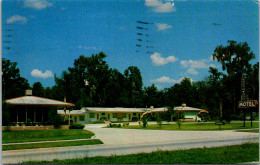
26, 115
17, 115
69, 117
34, 114
42, 115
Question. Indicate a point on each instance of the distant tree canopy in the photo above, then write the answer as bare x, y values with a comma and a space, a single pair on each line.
13, 84
91, 82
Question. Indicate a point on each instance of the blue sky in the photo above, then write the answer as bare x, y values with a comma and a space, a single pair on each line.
47, 36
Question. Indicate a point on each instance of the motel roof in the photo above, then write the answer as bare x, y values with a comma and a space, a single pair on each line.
73, 112
37, 101
115, 109
181, 108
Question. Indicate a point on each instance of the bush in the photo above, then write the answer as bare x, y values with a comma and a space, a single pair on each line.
54, 118
76, 126
114, 125
159, 122
135, 119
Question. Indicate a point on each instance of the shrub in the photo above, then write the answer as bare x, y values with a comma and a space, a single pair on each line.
125, 124
28, 123
159, 122
114, 125
76, 126
7, 129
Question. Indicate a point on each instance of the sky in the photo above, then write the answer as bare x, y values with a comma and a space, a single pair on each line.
45, 37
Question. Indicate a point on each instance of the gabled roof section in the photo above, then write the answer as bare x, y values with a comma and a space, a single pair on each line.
180, 108
38, 101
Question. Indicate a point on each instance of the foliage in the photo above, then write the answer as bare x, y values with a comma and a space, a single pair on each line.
145, 117
54, 118
51, 144
113, 125
233, 154
38, 89
12, 83
6, 108
44, 135
76, 126
159, 122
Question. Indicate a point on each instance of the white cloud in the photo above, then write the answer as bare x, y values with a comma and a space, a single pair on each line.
194, 64
160, 7
37, 4
40, 74
87, 47
162, 26
164, 79
192, 71
16, 18
158, 60
197, 64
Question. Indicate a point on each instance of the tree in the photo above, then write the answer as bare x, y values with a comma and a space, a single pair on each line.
13, 84
134, 86
235, 59
38, 89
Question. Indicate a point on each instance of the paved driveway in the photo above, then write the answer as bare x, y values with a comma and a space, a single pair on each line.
128, 141
118, 136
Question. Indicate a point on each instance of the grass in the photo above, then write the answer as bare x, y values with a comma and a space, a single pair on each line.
51, 144
44, 135
250, 130
194, 126
234, 154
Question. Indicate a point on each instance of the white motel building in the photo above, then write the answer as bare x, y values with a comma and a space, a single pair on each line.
95, 114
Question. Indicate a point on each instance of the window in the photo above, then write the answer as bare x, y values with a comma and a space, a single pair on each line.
92, 115
134, 114
81, 118
124, 115
114, 115
103, 114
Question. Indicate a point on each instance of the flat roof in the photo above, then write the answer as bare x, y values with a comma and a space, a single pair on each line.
180, 108
37, 101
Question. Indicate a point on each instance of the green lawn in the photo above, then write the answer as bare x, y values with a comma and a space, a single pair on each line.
44, 135
250, 130
218, 155
194, 126
51, 144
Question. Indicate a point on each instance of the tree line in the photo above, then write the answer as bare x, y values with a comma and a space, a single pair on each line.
91, 82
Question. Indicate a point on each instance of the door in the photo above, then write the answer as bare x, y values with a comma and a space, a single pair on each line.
97, 117
129, 117
108, 116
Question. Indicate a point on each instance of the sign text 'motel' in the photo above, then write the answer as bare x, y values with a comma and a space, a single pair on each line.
247, 104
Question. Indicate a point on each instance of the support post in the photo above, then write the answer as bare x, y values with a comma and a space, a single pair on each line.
251, 117
42, 115
26, 115
69, 117
244, 124
34, 115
